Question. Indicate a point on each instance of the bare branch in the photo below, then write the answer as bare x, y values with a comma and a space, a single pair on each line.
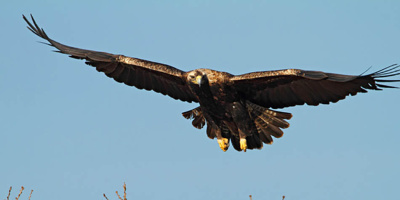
118, 195
125, 191
30, 195
9, 192
20, 192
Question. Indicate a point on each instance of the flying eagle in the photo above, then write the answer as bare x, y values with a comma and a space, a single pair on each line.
236, 109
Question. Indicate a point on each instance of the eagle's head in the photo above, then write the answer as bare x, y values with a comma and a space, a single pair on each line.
198, 77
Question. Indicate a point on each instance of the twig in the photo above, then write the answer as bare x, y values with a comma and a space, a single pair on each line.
125, 191
250, 197
30, 195
118, 195
20, 192
9, 191
283, 197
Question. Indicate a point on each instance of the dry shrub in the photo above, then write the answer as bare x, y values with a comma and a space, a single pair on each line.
119, 197
19, 194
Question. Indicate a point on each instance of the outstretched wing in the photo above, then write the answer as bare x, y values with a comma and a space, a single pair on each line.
136, 72
283, 88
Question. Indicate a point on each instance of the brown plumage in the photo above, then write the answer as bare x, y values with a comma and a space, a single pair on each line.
236, 109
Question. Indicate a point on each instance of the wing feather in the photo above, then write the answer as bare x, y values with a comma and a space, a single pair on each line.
136, 72
290, 87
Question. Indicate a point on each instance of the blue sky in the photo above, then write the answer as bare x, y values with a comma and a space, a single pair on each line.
69, 132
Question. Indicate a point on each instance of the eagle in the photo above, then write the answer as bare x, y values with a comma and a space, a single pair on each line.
237, 109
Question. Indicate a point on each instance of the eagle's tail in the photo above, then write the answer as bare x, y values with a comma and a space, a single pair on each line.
268, 123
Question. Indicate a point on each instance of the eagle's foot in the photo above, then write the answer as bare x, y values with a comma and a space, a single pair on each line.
223, 144
243, 144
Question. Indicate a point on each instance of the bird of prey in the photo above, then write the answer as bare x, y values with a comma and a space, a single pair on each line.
236, 109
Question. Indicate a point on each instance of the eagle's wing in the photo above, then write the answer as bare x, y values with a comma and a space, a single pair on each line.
283, 88
140, 73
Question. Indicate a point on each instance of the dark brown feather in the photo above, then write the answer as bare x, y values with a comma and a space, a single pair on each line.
136, 72
211, 131
283, 88
254, 142
268, 116
197, 116
236, 143
265, 136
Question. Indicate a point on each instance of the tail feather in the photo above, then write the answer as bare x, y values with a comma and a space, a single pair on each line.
236, 143
198, 122
268, 128
265, 136
283, 115
274, 121
254, 142
198, 119
188, 114
192, 113
268, 123
275, 131
269, 116
211, 133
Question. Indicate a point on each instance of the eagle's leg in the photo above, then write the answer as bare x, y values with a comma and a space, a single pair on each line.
226, 135
243, 122
222, 141
214, 131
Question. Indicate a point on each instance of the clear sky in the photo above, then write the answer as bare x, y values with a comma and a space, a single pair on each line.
69, 132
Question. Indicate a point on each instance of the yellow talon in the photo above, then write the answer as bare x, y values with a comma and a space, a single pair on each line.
223, 144
243, 144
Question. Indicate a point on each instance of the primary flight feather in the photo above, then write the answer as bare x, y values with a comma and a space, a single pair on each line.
236, 109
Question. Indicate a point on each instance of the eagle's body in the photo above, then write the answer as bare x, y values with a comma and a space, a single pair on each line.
228, 115
222, 106
235, 109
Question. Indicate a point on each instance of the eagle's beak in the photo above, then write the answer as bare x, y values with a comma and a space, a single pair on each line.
198, 80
